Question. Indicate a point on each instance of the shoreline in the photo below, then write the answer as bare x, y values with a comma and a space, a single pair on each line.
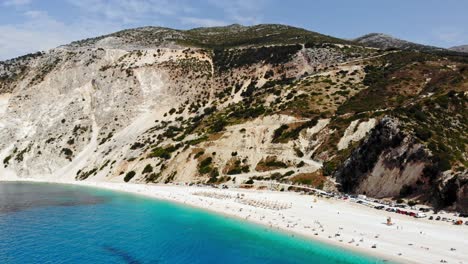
334, 222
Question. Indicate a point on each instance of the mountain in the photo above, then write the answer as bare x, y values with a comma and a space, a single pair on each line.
214, 37
463, 48
383, 41
238, 104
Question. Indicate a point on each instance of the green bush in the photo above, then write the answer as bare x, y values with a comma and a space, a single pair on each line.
148, 169
284, 134
328, 168
164, 153
152, 177
214, 173
67, 151
199, 154
160, 153
278, 132
276, 163
218, 125
129, 176
206, 162
6, 160
249, 181
406, 190
197, 140
234, 171
299, 153
204, 170
204, 166
422, 134
137, 145
212, 180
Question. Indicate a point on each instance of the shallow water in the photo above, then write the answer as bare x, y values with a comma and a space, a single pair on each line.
52, 223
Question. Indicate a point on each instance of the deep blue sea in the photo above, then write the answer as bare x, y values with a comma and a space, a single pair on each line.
52, 223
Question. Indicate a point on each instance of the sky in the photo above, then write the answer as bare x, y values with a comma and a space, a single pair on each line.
31, 25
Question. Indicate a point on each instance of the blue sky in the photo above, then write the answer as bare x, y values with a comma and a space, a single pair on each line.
31, 25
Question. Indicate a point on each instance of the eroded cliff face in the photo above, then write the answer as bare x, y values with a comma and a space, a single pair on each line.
451, 191
378, 167
390, 162
101, 108
68, 104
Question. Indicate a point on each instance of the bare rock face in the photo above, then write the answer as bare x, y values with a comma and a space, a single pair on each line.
384, 162
452, 191
68, 104
378, 149
391, 163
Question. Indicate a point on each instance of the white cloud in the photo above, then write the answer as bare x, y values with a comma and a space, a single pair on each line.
35, 14
37, 30
16, 2
202, 22
451, 36
246, 12
135, 11
127, 11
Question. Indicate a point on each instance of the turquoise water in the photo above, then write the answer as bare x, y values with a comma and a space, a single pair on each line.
51, 223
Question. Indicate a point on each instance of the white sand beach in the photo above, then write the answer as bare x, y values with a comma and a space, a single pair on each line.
338, 222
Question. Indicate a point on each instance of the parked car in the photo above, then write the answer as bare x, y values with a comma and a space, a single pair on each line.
437, 218
431, 217
420, 215
379, 207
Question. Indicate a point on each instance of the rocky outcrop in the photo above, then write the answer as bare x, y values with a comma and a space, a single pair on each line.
392, 163
452, 191
384, 162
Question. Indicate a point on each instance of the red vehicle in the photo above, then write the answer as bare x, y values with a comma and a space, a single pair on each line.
412, 214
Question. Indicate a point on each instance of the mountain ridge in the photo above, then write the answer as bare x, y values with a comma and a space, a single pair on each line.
191, 37
461, 48
223, 36
385, 41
